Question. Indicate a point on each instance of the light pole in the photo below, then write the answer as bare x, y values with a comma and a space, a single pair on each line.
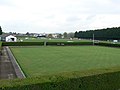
93, 39
45, 43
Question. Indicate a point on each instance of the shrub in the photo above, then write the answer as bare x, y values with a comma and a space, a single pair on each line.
69, 43
22, 43
42, 43
107, 81
108, 44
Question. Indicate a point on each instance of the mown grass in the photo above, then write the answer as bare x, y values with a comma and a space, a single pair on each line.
42, 60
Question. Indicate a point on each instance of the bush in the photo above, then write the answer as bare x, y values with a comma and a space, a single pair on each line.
68, 43
107, 81
22, 43
108, 44
57, 44
42, 43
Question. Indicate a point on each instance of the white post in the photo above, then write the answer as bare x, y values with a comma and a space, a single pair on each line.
45, 43
93, 39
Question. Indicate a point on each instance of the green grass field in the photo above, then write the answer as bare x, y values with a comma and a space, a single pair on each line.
33, 39
58, 59
51, 40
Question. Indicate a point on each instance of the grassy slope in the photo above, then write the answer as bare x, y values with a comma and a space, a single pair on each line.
51, 60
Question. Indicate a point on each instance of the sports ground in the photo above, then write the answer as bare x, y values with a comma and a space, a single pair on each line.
47, 60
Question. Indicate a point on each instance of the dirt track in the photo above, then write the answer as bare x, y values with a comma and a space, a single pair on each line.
6, 68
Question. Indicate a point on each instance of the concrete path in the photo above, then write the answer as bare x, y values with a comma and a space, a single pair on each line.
17, 68
9, 68
6, 68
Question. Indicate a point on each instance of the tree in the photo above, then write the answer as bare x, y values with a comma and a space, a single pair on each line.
59, 36
76, 34
0, 30
100, 34
27, 33
70, 35
65, 34
50, 36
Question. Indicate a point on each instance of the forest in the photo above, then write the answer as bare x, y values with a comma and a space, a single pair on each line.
100, 34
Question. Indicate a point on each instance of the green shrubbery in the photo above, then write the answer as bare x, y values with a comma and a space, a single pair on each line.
57, 44
68, 43
69, 81
22, 43
108, 44
42, 43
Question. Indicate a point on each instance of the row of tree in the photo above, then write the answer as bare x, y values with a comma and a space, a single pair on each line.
100, 34
65, 35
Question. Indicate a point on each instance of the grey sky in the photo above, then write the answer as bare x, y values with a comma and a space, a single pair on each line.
53, 16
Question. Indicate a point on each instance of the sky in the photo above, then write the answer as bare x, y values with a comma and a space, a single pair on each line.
58, 16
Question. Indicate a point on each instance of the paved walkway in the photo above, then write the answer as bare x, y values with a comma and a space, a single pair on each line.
6, 68
17, 68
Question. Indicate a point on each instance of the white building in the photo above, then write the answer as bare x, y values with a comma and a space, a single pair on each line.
54, 35
8, 38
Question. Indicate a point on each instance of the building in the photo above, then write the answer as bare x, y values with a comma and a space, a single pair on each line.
8, 38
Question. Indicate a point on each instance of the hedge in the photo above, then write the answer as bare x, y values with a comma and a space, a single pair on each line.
57, 44
66, 81
43, 43
68, 43
22, 43
107, 44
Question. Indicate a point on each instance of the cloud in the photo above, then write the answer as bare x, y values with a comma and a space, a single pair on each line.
73, 19
100, 21
58, 15
5, 3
